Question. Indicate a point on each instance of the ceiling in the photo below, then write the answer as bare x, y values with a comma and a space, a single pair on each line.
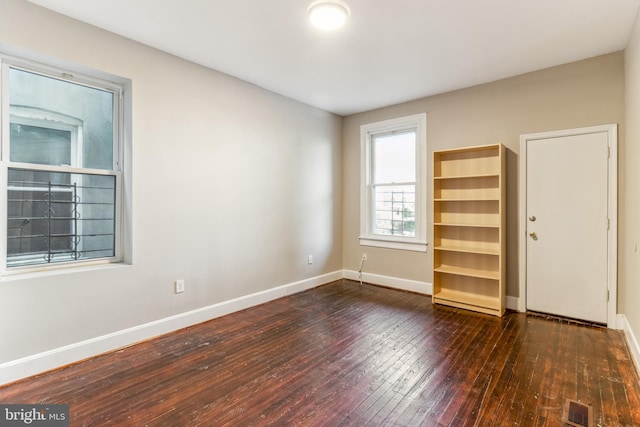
390, 51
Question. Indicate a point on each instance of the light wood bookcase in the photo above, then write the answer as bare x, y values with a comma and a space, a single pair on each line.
469, 222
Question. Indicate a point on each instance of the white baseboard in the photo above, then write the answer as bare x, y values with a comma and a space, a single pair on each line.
48, 360
513, 303
632, 341
410, 285
391, 282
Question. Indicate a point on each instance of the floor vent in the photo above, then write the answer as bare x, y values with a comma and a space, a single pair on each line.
577, 414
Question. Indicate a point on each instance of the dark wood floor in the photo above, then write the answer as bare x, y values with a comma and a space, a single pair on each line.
345, 355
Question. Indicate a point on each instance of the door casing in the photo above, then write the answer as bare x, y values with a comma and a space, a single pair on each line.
612, 201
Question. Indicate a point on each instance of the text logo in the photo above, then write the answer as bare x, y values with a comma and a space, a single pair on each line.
34, 415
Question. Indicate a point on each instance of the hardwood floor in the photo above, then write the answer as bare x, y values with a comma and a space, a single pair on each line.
345, 355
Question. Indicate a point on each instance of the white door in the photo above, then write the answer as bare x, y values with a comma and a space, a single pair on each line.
567, 221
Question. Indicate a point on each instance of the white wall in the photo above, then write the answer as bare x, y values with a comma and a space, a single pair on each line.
629, 163
233, 186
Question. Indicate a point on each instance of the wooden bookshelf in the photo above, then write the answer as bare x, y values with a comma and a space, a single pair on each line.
469, 220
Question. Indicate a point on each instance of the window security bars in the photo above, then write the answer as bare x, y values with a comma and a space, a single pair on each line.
57, 217
395, 210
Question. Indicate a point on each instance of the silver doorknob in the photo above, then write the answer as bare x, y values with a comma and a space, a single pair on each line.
533, 235
532, 218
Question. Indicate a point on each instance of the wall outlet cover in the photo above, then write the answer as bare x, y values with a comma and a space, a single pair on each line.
179, 286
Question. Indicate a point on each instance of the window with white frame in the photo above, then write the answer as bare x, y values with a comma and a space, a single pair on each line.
61, 160
393, 189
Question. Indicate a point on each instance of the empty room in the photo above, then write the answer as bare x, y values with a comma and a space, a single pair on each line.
331, 213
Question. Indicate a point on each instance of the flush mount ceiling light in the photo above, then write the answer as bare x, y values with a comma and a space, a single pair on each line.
328, 15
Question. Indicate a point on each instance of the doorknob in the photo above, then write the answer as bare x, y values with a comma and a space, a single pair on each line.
533, 235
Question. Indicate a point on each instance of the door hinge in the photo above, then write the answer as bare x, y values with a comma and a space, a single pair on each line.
607, 295
608, 224
608, 152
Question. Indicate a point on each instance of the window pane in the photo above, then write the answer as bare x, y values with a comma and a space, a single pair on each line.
395, 210
57, 217
34, 144
48, 105
394, 158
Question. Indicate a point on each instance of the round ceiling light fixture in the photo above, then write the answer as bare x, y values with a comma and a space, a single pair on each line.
328, 15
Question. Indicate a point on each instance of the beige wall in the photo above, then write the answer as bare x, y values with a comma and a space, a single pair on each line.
585, 93
233, 187
629, 216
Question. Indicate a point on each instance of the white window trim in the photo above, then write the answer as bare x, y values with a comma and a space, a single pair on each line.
367, 238
21, 59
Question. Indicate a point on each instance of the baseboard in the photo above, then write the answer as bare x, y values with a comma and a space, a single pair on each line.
62, 356
410, 285
512, 303
632, 341
391, 282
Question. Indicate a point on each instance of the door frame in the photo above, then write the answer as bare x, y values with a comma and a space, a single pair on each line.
612, 210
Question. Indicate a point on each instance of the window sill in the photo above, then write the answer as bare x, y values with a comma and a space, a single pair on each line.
415, 246
9, 276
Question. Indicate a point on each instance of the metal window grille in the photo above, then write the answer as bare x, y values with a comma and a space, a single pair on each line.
395, 210
57, 217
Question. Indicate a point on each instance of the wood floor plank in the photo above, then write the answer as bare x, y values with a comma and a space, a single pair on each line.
454, 414
345, 354
488, 386
450, 379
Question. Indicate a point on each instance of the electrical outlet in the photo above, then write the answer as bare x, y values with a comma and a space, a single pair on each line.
179, 286
364, 257
310, 259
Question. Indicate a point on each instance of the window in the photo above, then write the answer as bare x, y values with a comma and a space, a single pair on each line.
393, 183
61, 177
